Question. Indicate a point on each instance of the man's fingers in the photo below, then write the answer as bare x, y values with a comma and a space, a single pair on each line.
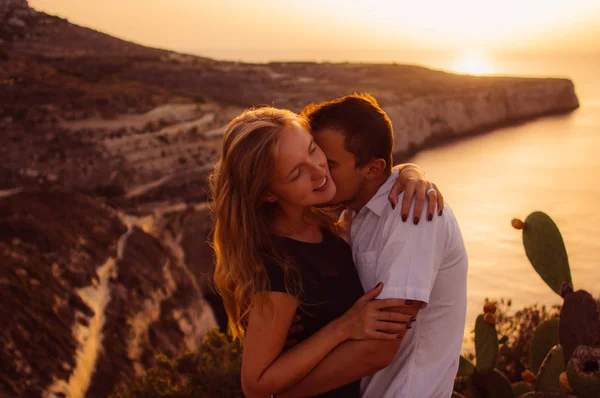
295, 329
290, 343
409, 191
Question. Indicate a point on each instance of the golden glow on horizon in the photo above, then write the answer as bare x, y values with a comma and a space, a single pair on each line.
458, 24
340, 30
473, 62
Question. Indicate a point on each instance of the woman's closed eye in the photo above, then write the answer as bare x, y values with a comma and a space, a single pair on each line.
296, 174
311, 150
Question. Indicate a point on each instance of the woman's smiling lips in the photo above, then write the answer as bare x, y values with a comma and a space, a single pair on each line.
322, 185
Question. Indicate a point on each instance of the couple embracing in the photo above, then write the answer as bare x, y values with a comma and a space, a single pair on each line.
375, 303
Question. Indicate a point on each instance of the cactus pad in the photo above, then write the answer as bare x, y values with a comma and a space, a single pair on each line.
498, 385
579, 323
546, 251
544, 338
548, 378
520, 388
486, 345
583, 372
465, 367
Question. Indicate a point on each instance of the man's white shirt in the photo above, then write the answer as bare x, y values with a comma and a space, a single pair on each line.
425, 262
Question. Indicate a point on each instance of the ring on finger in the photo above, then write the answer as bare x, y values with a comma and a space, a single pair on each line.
431, 190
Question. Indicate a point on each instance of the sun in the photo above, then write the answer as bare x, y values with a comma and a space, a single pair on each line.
473, 62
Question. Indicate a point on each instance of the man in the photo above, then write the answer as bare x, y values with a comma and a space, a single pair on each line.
426, 264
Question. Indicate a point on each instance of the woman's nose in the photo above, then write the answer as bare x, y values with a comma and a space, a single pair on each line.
318, 171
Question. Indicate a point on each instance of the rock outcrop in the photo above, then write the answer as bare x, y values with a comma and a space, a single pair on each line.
15, 15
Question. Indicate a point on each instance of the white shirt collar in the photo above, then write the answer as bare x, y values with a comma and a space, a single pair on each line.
380, 200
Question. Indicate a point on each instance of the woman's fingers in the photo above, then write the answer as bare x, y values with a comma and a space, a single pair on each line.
392, 327
397, 189
294, 329
420, 196
371, 294
395, 317
409, 191
386, 303
431, 203
440, 200
387, 336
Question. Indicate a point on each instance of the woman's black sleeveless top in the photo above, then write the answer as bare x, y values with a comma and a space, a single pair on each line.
330, 287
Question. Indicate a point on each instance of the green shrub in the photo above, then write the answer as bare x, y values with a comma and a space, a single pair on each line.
515, 331
214, 371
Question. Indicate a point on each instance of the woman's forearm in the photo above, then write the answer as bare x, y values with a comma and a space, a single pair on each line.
295, 363
266, 370
410, 168
348, 362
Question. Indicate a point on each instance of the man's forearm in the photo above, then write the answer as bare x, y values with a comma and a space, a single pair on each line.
348, 362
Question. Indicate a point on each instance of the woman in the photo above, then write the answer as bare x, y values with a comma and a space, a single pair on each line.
278, 256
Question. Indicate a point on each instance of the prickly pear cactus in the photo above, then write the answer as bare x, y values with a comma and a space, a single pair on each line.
548, 378
465, 367
544, 338
583, 372
579, 323
486, 345
520, 388
545, 249
498, 385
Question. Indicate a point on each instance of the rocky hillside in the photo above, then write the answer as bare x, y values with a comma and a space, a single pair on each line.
91, 295
141, 115
105, 147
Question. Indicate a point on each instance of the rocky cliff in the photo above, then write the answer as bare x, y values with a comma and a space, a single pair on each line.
427, 120
105, 147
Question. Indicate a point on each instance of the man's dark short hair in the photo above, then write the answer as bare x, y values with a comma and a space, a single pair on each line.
367, 128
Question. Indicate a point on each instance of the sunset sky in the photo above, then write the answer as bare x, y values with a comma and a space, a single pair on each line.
262, 30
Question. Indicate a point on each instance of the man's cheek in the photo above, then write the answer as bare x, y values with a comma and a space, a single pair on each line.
335, 177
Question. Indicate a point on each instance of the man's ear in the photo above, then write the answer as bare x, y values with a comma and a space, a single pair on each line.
270, 197
375, 168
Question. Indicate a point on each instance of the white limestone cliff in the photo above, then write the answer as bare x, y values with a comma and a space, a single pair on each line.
421, 121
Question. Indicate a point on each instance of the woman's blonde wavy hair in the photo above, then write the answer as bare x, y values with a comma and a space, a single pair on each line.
243, 233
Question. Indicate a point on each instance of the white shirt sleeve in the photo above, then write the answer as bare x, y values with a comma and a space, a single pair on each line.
411, 255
